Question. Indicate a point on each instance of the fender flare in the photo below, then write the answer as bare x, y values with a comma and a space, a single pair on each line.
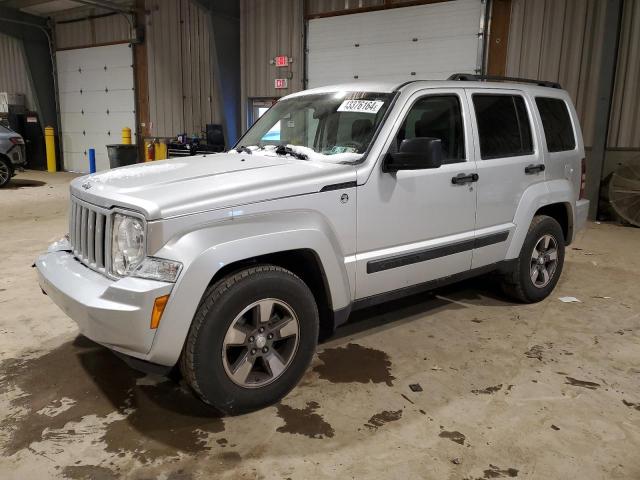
205, 251
534, 198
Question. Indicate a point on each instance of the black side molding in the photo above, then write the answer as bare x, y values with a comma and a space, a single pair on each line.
373, 300
405, 259
339, 186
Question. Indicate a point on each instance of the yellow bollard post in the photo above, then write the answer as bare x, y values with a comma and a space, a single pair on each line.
50, 145
126, 136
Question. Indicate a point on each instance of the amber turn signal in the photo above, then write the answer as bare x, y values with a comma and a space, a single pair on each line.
158, 310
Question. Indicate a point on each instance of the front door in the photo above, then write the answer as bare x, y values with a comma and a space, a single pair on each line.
418, 225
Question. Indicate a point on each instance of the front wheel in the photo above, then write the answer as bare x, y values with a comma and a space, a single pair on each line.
252, 339
538, 268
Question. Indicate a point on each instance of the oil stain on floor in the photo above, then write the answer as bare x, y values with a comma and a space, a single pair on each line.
582, 383
93, 381
304, 421
454, 436
379, 419
355, 364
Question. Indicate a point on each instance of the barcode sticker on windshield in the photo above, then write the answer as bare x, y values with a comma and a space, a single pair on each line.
361, 106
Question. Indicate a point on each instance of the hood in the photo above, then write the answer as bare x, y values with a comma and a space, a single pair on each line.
182, 186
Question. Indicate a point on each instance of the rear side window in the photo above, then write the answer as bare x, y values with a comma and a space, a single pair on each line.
556, 123
503, 126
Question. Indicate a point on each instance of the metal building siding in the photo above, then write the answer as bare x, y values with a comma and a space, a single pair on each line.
624, 127
559, 40
270, 28
84, 33
14, 75
181, 83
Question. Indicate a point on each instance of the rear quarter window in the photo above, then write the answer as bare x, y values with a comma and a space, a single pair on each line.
503, 125
556, 123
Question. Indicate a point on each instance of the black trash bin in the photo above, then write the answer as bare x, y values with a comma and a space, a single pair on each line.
122, 154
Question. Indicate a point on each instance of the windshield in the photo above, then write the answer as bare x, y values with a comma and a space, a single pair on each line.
334, 127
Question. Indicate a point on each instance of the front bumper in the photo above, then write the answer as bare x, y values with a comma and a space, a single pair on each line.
116, 314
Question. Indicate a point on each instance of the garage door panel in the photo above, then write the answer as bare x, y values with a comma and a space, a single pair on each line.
101, 101
73, 122
70, 102
94, 59
434, 21
111, 79
446, 41
73, 143
75, 161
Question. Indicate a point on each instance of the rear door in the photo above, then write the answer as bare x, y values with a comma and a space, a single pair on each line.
508, 159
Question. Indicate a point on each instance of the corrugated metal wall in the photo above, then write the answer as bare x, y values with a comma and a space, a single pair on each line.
105, 29
270, 28
559, 40
181, 83
624, 127
14, 74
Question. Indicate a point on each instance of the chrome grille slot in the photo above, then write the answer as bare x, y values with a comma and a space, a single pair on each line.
88, 234
99, 239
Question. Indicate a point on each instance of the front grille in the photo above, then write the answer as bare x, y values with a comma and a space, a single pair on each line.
88, 233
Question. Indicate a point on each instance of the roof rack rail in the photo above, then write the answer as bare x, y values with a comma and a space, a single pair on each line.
470, 77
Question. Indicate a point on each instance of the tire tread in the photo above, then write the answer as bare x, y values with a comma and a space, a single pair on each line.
209, 298
511, 283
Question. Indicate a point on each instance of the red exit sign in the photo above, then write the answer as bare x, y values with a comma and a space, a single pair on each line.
282, 61
281, 83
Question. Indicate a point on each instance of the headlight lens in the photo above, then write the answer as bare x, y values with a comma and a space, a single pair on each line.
158, 269
127, 244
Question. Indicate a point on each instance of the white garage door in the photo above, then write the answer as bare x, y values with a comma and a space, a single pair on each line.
421, 42
96, 102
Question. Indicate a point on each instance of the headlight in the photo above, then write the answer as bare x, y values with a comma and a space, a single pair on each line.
158, 269
127, 244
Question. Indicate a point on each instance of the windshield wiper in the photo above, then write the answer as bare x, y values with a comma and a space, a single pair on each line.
285, 150
243, 149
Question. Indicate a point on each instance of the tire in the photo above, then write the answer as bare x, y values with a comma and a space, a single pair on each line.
216, 357
522, 283
6, 172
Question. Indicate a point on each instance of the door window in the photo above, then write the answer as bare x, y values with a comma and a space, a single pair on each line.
503, 126
556, 123
436, 116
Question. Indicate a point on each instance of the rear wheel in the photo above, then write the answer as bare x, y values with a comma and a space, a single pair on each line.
538, 268
6, 172
252, 339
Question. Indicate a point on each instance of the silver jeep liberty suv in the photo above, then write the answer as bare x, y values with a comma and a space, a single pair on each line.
229, 266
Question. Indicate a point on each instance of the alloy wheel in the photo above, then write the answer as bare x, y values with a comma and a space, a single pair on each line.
544, 261
5, 174
260, 343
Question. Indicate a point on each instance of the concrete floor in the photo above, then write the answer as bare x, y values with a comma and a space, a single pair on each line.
549, 390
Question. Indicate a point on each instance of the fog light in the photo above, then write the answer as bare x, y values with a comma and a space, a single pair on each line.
158, 310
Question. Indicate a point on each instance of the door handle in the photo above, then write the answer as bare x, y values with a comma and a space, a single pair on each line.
462, 178
531, 169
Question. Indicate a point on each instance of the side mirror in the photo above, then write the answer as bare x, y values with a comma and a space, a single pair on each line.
415, 154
